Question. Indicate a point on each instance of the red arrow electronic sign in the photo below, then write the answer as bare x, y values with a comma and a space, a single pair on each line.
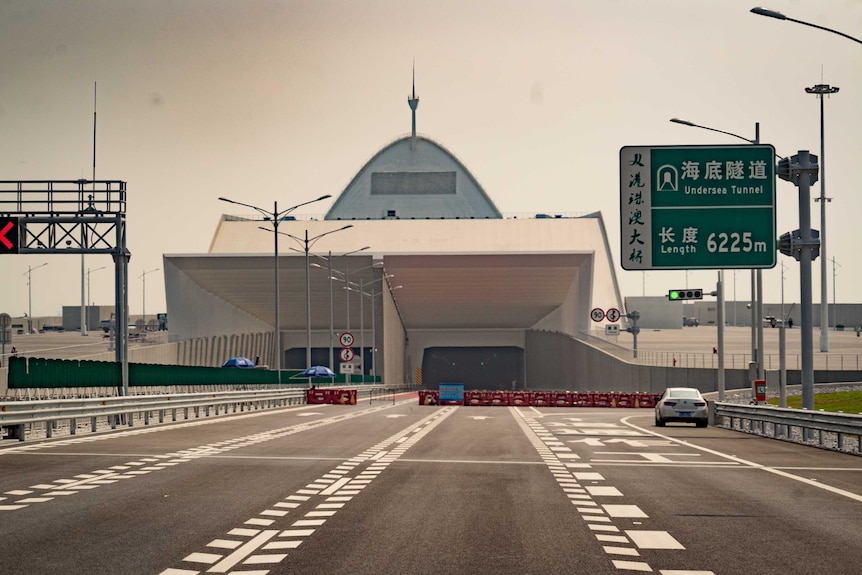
8, 235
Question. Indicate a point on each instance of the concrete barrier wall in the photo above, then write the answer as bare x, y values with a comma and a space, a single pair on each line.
558, 361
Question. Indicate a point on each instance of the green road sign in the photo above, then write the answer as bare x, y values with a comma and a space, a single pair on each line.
697, 207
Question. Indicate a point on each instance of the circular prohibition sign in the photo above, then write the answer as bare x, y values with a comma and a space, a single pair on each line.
613, 315
346, 354
597, 314
346, 339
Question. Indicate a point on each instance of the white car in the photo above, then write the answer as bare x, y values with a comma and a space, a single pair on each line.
684, 404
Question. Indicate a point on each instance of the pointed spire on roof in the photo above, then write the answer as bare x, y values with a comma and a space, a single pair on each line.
413, 101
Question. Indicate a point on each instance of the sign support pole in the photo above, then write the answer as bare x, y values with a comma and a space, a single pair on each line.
719, 290
802, 170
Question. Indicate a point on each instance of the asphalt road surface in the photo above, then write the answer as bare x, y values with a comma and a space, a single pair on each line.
400, 488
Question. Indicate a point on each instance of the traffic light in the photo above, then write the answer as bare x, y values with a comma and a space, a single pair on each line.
681, 294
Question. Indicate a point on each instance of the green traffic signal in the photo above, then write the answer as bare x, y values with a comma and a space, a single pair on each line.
678, 294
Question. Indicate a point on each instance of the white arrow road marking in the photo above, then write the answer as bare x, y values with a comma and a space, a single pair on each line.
591, 441
622, 432
642, 442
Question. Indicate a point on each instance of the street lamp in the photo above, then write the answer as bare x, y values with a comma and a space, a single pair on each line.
90, 302
306, 244
328, 261
30, 295
143, 278
780, 16
362, 292
347, 284
834, 300
275, 217
372, 296
756, 274
821, 90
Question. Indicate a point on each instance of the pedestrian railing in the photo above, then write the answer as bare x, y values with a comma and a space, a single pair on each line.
838, 431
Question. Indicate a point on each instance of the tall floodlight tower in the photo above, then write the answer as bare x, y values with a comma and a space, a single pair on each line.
821, 90
413, 101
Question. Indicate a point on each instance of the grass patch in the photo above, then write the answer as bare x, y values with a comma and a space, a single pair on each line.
848, 401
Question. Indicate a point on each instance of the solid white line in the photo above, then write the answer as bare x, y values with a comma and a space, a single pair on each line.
773, 470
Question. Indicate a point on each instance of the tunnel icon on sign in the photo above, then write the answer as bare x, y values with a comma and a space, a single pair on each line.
668, 178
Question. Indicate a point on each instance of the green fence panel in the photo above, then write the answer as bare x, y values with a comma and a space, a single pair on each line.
37, 372
33, 372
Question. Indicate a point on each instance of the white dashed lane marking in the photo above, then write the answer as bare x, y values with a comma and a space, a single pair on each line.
599, 518
146, 465
336, 487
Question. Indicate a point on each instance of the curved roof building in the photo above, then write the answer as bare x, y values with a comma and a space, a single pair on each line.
448, 289
414, 178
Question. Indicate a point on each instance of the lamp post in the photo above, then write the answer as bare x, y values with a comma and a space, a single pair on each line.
780, 16
821, 90
143, 278
834, 300
372, 296
328, 260
347, 290
734, 298
28, 273
89, 301
783, 315
756, 274
306, 244
362, 293
275, 217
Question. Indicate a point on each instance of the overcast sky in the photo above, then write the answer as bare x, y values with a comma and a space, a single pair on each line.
286, 100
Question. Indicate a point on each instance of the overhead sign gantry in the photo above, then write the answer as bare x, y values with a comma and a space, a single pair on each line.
72, 217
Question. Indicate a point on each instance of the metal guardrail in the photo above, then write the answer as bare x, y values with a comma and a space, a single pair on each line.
840, 431
16, 416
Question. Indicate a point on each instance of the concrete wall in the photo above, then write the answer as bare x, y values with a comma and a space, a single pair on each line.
391, 362
207, 352
199, 313
557, 361
569, 317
